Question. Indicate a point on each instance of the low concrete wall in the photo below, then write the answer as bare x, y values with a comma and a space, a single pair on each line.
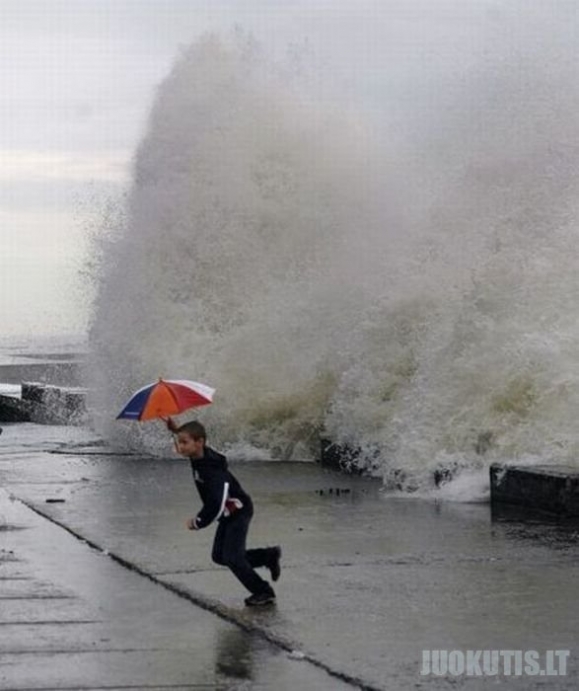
547, 488
55, 404
45, 404
14, 410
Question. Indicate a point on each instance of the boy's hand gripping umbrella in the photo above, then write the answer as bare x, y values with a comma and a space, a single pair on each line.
164, 398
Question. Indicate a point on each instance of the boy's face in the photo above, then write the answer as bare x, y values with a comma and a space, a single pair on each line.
187, 446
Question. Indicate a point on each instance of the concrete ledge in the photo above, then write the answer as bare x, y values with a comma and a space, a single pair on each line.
548, 488
55, 404
14, 410
45, 404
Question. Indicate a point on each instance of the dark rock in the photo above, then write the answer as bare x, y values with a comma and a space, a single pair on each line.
443, 475
347, 459
352, 461
446, 473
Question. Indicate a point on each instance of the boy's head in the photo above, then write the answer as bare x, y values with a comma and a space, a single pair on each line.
191, 439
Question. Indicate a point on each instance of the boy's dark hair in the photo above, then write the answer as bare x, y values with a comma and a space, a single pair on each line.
194, 429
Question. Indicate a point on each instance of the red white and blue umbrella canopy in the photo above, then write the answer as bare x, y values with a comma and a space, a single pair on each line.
166, 397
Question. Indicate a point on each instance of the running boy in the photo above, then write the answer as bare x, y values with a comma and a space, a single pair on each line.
225, 501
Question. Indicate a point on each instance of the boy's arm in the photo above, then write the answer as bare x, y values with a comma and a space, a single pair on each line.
215, 495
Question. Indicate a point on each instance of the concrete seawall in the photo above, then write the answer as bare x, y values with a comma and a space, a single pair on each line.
44, 404
546, 488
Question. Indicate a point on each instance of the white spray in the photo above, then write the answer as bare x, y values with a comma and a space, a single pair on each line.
414, 296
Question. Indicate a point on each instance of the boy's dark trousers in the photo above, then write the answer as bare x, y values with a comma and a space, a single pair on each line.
229, 550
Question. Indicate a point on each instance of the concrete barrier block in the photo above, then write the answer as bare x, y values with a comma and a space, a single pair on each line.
54, 404
14, 410
547, 488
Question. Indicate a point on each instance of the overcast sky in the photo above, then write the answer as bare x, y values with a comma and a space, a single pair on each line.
77, 78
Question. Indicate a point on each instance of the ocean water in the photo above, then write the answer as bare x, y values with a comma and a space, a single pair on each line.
54, 359
402, 280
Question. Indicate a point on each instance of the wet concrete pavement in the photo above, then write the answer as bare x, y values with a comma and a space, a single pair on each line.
72, 618
369, 581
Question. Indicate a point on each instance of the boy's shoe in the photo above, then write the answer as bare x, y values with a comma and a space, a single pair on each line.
274, 567
260, 599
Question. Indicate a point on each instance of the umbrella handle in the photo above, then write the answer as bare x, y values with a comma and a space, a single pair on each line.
171, 425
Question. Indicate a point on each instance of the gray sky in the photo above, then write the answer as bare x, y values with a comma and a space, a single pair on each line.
77, 78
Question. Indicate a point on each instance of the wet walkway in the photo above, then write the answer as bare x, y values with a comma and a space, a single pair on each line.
369, 581
72, 618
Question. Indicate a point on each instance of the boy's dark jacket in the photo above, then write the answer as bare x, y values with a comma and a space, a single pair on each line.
220, 491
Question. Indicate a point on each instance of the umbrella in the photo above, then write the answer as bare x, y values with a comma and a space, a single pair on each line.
166, 397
